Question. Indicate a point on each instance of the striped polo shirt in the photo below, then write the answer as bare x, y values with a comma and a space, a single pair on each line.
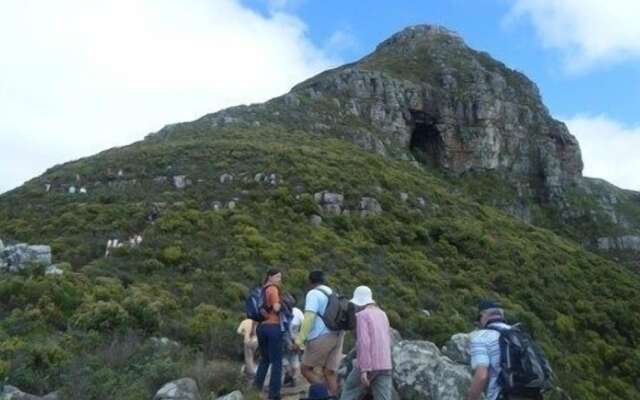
484, 347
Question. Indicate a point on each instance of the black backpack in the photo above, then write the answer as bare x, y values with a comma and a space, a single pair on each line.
525, 370
339, 314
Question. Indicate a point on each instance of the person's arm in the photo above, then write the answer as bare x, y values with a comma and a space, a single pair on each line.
478, 383
363, 348
480, 361
307, 325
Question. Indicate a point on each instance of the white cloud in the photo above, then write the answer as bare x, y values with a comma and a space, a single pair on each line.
80, 76
589, 32
609, 149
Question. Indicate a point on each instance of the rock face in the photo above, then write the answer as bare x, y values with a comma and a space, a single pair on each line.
182, 389
456, 108
15, 258
420, 371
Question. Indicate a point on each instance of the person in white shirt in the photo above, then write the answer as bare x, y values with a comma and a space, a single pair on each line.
291, 352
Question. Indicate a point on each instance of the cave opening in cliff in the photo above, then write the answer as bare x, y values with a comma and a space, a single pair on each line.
426, 141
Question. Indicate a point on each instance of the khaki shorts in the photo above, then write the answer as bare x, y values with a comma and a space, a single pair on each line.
324, 351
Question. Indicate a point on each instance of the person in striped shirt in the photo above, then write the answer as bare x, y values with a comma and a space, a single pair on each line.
484, 347
372, 366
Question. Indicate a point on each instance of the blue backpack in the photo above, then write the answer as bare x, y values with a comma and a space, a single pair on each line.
254, 306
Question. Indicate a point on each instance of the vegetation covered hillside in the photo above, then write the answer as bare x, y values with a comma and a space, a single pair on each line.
215, 208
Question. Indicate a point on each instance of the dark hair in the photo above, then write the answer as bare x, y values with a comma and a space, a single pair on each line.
270, 272
316, 277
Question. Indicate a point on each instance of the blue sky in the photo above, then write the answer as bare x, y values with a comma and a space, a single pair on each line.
78, 77
612, 89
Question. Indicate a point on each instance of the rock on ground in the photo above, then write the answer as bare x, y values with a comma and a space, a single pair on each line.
182, 389
12, 393
421, 372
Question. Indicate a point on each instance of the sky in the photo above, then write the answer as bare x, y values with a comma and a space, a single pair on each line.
81, 76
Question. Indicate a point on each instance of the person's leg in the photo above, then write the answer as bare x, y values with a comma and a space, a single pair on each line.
275, 356
314, 356
332, 363
381, 387
261, 373
352, 389
332, 381
249, 359
311, 375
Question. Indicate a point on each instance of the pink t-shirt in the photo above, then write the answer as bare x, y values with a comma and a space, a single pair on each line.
373, 340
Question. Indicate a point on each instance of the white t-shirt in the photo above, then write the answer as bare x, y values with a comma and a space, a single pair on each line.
316, 301
296, 322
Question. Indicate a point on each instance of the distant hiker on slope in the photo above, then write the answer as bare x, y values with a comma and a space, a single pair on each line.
372, 365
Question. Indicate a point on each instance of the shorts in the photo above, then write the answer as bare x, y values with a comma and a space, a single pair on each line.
324, 351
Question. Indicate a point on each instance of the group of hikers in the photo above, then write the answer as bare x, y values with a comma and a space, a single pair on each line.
506, 363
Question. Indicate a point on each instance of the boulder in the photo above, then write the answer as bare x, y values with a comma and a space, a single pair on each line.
316, 220
54, 270
404, 196
8, 392
326, 198
331, 203
226, 178
369, 206
182, 389
457, 348
237, 395
420, 371
15, 258
180, 181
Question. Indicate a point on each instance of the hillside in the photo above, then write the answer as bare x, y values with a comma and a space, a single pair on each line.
217, 200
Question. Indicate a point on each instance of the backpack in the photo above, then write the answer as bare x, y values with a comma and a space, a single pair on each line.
338, 315
287, 303
254, 306
525, 370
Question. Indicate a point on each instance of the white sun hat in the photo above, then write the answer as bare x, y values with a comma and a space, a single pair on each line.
362, 296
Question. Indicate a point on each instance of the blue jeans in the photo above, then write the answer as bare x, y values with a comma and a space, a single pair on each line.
270, 341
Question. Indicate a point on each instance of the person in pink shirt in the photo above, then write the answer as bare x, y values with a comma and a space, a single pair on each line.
372, 366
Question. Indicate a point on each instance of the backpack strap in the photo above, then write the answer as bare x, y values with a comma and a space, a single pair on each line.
324, 292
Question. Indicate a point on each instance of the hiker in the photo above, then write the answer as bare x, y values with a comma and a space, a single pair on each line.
291, 352
247, 329
270, 335
322, 346
372, 365
488, 347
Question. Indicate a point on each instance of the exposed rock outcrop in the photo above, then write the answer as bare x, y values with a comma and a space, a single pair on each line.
8, 392
182, 389
16, 257
420, 371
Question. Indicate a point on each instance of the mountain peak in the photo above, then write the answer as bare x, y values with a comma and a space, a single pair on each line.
417, 34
